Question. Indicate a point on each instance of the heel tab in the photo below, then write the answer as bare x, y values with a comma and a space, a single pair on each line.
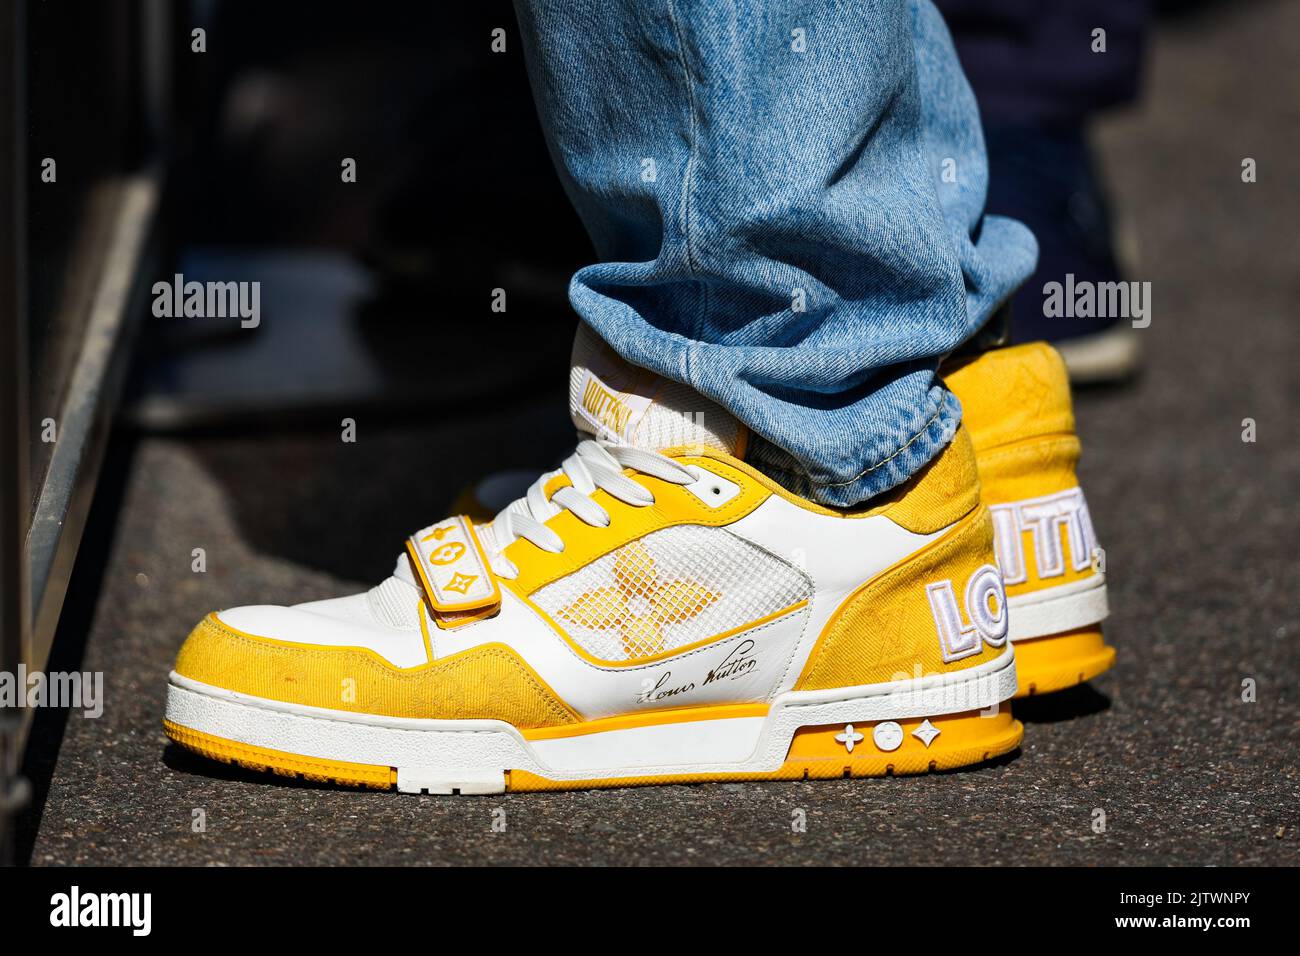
1028, 354
1011, 394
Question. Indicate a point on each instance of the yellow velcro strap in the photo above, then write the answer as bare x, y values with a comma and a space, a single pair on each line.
453, 567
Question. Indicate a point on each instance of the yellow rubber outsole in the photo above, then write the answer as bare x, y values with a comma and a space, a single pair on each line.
1060, 661
816, 753
281, 763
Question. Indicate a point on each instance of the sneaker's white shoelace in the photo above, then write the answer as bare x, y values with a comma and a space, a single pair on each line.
593, 465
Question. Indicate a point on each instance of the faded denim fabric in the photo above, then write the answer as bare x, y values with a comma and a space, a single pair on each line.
786, 199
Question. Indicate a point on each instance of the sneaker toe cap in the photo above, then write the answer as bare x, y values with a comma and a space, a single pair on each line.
485, 682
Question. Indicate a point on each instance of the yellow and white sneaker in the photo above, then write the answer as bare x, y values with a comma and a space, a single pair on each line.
654, 611
1016, 408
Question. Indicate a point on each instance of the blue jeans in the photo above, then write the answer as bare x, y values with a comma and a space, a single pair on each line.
787, 201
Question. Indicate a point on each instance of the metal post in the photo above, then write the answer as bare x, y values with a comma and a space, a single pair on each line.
15, 501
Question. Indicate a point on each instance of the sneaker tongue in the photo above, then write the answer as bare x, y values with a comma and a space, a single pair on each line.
611, 399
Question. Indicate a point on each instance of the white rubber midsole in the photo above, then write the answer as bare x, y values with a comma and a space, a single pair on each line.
1058, 609
471, 756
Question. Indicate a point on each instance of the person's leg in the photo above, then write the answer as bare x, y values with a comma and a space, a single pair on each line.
1040, 84
787, 204
658, 609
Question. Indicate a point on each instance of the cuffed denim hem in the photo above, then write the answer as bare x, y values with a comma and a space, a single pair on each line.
912, 453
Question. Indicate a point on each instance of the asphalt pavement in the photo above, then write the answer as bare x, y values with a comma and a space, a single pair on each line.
1200, 529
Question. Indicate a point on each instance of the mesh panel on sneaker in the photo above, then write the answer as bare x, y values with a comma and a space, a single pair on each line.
668, 589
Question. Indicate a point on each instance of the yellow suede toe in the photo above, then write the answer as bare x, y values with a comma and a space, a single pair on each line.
489, 682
